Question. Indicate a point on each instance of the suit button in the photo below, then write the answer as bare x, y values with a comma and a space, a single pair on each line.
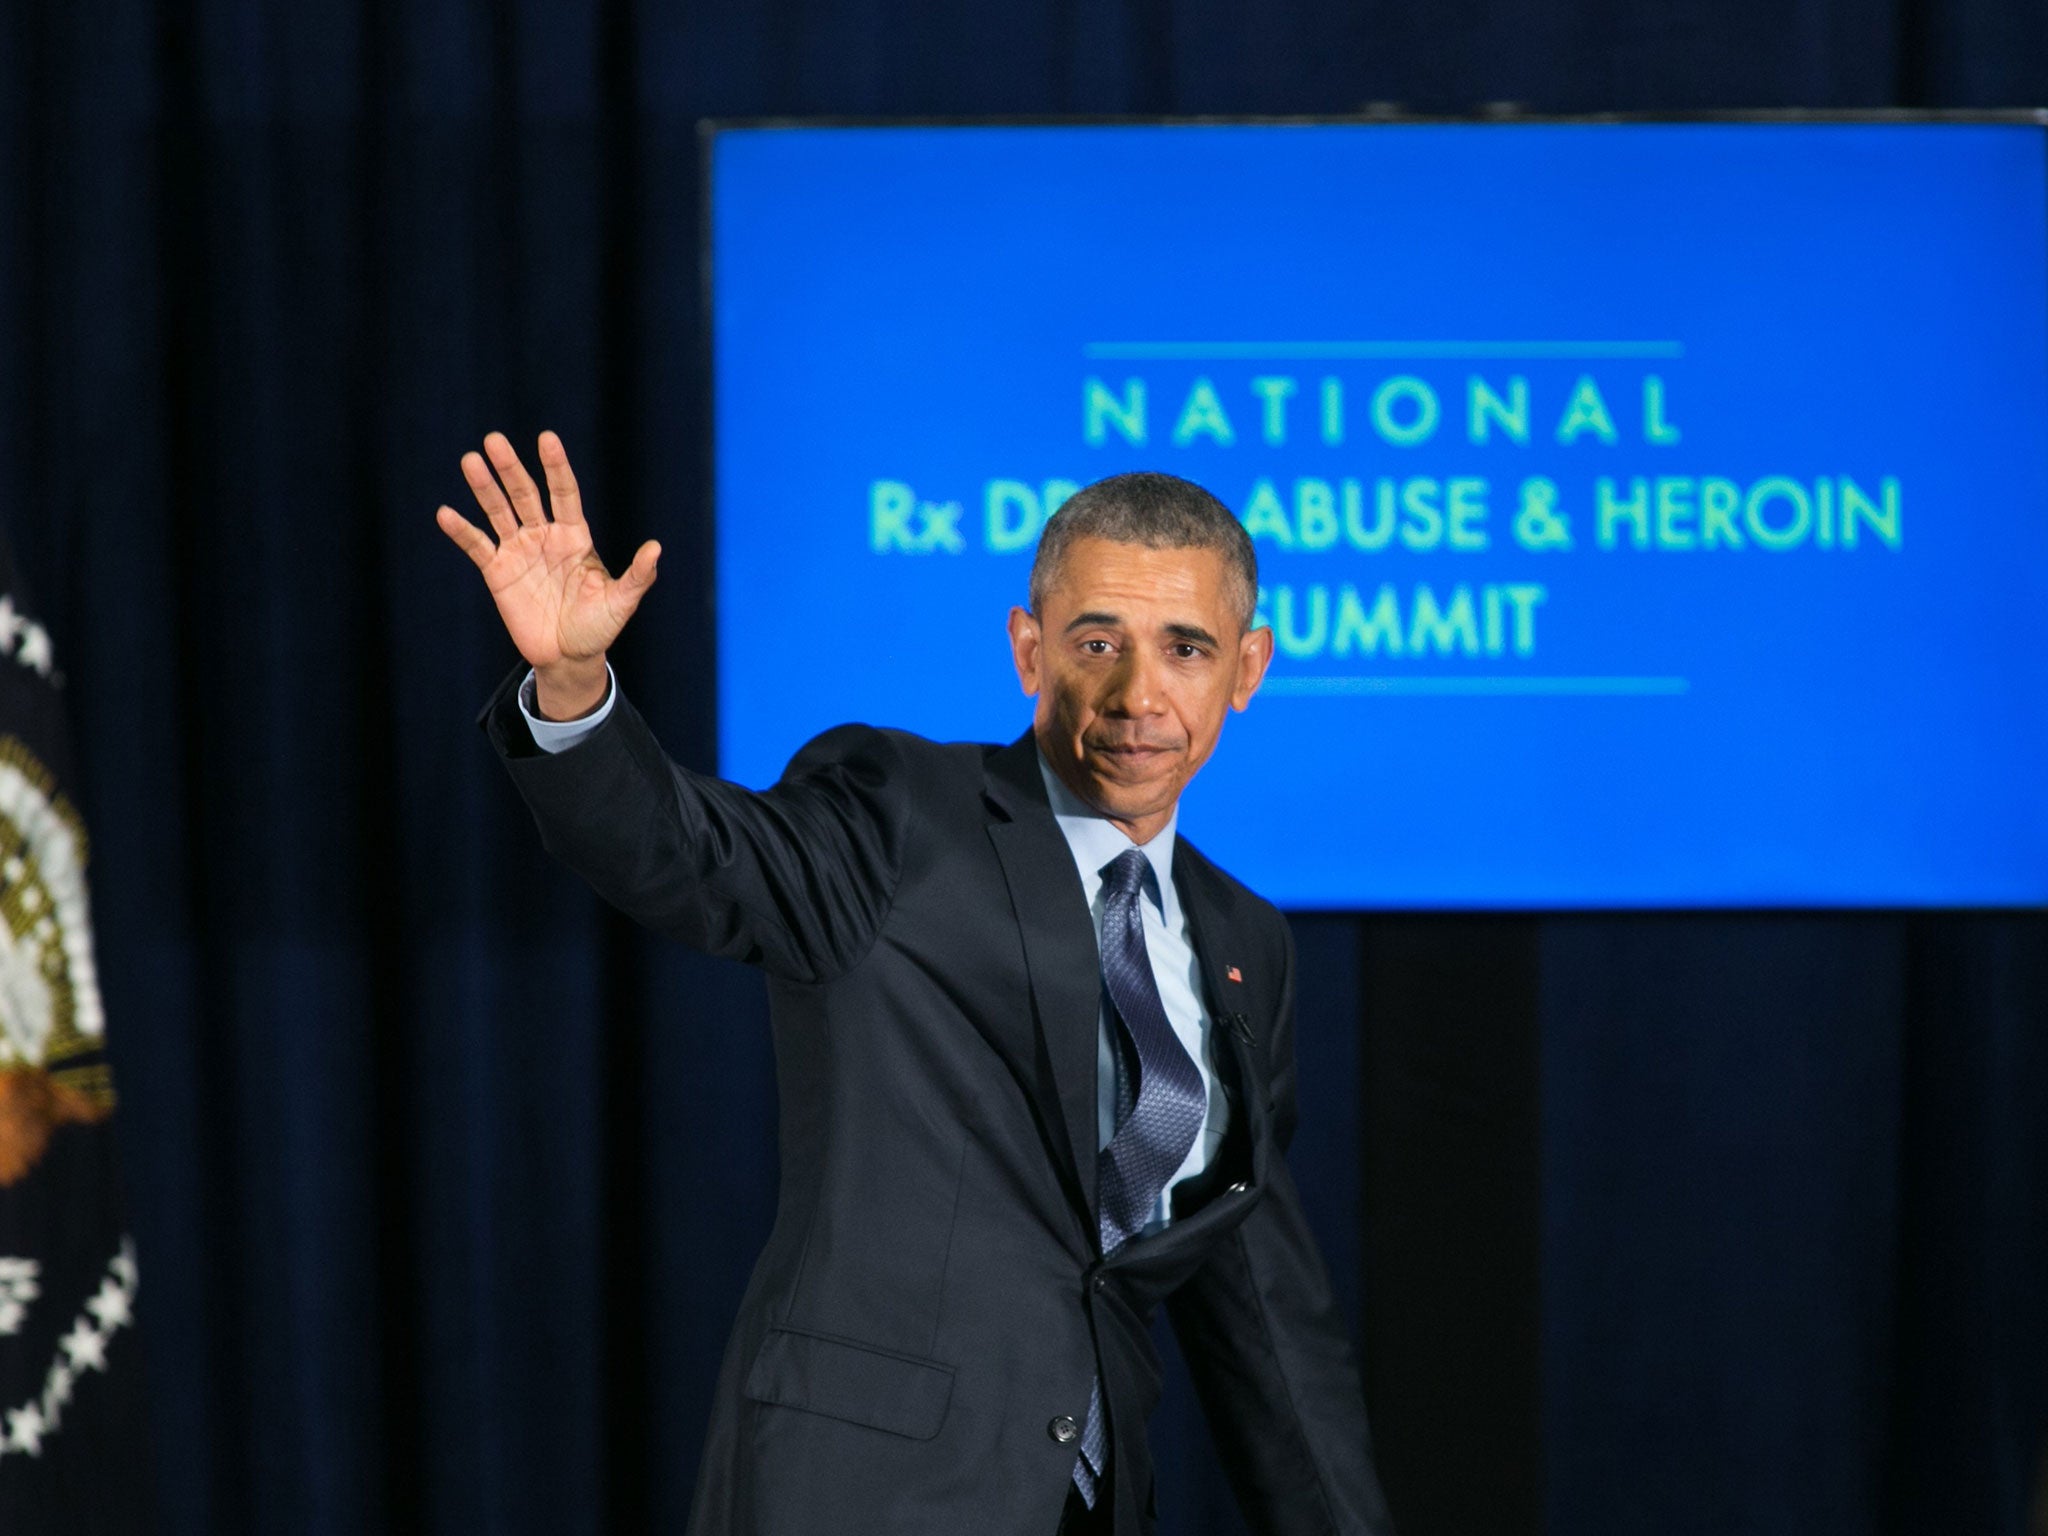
1102, 1282
1064, 1430
1239, 1187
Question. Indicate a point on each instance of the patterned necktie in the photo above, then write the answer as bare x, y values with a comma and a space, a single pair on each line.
1156, 1124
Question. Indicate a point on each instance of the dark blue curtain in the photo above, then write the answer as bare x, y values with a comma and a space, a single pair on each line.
445, 1183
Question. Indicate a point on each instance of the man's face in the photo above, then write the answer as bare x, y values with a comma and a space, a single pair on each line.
1134, 656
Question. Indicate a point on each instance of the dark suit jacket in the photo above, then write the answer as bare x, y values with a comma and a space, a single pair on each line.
920, 1333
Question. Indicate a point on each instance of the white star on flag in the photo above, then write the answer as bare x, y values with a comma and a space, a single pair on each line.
86, 1346
25, 1429
110, 1306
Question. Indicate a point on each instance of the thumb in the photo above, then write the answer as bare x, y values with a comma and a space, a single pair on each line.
635, 579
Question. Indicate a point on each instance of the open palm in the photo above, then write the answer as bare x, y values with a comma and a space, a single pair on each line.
558, 602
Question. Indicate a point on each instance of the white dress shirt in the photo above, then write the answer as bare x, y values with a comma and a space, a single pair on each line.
561, 735
1095, 842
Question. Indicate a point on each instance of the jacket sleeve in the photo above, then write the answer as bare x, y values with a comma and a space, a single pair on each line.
796, 879
1269, 1354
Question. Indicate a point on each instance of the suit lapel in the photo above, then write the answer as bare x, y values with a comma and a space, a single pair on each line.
1059, 944
1208, 904
1065, 967
1162, 1257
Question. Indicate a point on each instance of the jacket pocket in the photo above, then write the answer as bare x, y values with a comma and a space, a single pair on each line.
899, 1394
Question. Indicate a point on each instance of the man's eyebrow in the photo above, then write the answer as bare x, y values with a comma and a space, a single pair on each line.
1093, 616
1192, 633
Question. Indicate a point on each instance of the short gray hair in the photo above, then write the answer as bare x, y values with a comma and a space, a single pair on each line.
1156, 510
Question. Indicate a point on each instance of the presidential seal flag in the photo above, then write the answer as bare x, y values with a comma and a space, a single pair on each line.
71, 1408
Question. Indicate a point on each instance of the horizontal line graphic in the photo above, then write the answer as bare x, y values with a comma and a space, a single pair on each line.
1311, 687
1312, 351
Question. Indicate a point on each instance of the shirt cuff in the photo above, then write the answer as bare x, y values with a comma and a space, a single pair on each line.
561, 735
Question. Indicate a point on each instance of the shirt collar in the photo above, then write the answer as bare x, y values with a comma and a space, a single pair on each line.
1095, 840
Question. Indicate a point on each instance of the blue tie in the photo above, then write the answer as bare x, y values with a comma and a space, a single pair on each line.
1156, 1123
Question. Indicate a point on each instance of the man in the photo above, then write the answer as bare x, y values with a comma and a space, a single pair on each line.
1036, 1053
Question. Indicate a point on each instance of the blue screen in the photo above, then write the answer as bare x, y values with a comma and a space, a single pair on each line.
1647, 515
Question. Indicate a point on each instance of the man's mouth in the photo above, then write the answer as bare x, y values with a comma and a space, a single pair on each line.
1135, 753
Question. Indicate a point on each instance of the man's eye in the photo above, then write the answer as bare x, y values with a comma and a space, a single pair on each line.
1186, 651
1096, 647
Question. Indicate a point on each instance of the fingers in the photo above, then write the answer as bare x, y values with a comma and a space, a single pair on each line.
469, 538
565, 501
519, 484
488, 496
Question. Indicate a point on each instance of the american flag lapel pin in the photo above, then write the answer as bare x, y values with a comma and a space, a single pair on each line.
1233, 973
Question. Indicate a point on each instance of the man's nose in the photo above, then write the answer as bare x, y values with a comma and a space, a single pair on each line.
1135, 687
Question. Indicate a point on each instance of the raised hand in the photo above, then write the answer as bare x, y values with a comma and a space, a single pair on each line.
562, 608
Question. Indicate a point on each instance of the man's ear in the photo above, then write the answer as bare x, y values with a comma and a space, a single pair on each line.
1254, 655
1025, 643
